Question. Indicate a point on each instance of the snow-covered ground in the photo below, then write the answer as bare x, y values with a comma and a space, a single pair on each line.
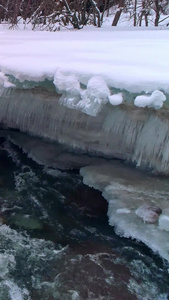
100, 59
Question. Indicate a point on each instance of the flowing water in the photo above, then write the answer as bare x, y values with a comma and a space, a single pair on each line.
56, 244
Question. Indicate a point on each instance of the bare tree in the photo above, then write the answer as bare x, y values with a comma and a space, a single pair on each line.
50, 14
118, 13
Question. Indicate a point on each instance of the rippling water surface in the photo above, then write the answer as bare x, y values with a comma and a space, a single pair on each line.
56, 244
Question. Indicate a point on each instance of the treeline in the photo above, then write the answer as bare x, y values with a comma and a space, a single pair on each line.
51, 14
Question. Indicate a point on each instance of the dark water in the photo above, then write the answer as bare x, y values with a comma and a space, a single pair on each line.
55, 241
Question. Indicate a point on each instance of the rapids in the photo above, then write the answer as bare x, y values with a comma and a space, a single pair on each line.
56, 243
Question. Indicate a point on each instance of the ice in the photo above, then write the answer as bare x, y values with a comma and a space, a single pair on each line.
155, 100
123, 211
116, 99
45, 153
4, 83
135, 200
164, 222
94, 97
123, 131
89, 100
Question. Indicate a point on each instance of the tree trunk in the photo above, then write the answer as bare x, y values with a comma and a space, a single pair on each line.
118, 13
96, 12
157, 12
104, 9
16, 11
135, 12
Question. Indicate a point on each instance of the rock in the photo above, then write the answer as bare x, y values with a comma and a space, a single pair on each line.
149, 213
27, 222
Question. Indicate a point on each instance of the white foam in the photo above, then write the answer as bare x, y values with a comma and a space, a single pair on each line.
14, 291
17, 245
7, 261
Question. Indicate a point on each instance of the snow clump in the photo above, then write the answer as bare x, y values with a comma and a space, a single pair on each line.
66, 83
89, 100
116, 99
154, 100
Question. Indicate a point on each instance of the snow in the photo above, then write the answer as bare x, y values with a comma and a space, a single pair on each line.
116, 99
155, 100
68, 84
134, 60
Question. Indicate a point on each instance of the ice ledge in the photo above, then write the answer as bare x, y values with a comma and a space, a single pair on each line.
138, 135
137, 203
90, 94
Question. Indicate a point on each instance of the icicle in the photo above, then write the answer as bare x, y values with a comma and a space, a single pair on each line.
139, 135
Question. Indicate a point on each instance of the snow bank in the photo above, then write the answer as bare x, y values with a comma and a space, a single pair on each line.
135, 60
